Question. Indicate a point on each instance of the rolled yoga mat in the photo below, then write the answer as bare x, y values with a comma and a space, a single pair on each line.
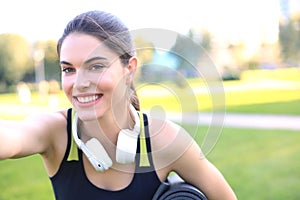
175, 188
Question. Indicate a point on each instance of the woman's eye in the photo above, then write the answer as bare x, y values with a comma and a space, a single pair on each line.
97, 67
68, 70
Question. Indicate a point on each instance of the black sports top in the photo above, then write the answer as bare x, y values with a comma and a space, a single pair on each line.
71, 183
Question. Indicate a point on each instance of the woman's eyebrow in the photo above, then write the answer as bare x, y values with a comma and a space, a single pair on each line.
93, 59
85, 62
65, 63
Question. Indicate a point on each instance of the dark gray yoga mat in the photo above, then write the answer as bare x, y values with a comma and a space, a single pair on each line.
176, 189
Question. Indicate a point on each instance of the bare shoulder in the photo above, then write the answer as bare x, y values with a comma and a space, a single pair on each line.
45, 127
169, 141
47, 119
165, 133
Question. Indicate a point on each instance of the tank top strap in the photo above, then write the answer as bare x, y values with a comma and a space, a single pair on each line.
72, 150
144, 162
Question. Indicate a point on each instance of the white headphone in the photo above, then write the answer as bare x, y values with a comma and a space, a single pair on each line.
95, 152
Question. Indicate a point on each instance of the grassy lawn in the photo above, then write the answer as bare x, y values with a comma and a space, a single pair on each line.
276, 108
24, 179
258, 164
266, 91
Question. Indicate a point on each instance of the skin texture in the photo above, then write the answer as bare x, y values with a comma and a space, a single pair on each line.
97, 84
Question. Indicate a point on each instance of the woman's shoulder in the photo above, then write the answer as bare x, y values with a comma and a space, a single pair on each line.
47, 121
168, 140
165, 131
48, 117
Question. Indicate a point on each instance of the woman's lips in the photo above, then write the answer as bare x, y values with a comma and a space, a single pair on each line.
88, 99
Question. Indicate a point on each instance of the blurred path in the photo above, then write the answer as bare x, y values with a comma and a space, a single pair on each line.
263, 121
260, 121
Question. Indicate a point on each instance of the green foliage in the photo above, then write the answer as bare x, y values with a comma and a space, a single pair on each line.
189, 50
14, 58
51, 63
289, 38
144, 50
17, 63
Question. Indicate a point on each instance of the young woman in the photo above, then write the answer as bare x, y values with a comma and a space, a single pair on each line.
103, 147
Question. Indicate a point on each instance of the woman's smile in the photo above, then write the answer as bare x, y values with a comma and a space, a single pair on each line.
88, 99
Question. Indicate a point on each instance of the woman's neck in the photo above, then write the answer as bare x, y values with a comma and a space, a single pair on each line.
107, 127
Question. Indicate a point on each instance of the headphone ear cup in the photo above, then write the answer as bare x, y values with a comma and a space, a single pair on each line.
99, 157
126, 146
127, 141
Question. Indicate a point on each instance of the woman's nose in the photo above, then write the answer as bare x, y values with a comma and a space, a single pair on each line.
82, 80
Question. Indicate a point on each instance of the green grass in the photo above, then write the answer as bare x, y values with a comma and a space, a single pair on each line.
290, 74
24, 179
258, 164
259, 91
276, 108
258, 100
12, 109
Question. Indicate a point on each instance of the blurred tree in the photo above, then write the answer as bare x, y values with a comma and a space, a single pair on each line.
51, 63
14, 59
52, 67
145, 52
190, 49
289, 38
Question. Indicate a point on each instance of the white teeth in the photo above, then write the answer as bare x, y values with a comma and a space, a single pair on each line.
88, 99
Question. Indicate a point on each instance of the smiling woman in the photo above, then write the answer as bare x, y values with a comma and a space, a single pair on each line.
98, 63
88, 79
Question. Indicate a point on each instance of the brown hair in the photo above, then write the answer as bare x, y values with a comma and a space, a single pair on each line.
108, 29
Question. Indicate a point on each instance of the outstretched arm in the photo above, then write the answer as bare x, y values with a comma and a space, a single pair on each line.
27, 137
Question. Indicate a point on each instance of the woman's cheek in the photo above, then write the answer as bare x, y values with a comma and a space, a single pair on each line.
105, 82
67, 87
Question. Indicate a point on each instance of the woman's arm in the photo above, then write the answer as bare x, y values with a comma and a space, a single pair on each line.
29, 136
175, 150
195, 169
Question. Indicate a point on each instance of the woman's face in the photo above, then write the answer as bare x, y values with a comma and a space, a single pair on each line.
93, 77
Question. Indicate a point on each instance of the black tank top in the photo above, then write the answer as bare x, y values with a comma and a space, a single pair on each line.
71, 183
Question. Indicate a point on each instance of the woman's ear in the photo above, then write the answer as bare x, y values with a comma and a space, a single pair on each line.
131, 67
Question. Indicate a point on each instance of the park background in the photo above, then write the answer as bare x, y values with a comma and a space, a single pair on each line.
254, 45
